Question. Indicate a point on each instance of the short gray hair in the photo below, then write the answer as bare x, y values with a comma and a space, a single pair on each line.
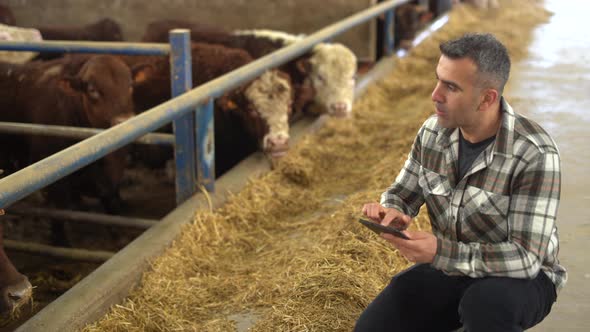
489, 55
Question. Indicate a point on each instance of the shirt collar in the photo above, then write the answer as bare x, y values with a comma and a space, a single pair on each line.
504, 143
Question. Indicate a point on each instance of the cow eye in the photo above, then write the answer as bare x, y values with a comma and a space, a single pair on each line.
92, 91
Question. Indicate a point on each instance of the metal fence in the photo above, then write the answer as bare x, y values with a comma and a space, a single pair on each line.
191, 112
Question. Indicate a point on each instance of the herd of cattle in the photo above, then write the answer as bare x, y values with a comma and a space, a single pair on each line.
101, 91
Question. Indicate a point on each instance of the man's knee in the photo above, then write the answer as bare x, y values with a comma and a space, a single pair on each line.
486, 307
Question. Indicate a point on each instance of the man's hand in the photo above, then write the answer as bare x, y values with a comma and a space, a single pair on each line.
420, 248
386, 216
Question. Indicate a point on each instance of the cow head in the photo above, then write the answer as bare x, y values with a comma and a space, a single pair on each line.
105, 86
332, 72
410, 18
15, 288
271, 96
105, 29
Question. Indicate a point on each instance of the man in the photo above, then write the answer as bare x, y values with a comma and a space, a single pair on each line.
490, 179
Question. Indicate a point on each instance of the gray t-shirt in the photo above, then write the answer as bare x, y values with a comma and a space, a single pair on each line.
469, 151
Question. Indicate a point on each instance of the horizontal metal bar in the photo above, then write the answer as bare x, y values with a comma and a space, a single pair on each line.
94, 256
76, 132
48, 170
88, 47
78, 216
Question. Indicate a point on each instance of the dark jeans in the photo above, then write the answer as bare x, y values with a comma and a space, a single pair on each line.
425, 299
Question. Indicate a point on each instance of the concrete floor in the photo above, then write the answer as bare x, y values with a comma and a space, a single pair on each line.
553, 87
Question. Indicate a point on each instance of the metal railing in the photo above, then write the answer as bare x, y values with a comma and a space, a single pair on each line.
184, 126
180, 109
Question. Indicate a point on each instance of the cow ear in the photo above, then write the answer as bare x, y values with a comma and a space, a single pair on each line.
303, 66
226, 103
141, 73
71, 85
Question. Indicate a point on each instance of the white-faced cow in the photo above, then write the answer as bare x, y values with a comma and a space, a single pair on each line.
251, 116
325, 75
329, 69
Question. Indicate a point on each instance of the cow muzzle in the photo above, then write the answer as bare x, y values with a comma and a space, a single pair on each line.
276, 146
15, 295
339, 109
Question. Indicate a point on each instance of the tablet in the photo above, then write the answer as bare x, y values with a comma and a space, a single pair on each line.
378, 228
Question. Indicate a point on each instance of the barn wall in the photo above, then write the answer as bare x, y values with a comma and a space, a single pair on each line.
294, 16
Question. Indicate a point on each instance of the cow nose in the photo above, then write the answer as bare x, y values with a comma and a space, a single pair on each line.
16, 295
277, 146
339, 109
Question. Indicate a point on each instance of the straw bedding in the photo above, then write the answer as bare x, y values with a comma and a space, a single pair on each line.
286, 253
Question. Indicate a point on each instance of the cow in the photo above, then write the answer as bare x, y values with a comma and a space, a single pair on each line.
12, 147
251, 116
105, 29
324, 76
11, 33
77, 90
15, 288
409, 19
6, 16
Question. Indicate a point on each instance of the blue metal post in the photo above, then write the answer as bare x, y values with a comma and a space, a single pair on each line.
184, 127
205, 140
388, 33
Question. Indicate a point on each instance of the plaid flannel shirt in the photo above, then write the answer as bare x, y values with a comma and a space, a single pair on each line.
499, 220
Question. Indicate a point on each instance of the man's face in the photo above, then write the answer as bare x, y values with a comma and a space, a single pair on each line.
456, 96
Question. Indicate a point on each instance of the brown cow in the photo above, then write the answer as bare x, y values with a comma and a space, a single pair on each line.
105, 29
84, 91
249, 116
6, 16
15, 288
409, 19
325, 75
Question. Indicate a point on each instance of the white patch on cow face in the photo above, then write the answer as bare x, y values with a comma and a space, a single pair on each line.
333, 68
271, 96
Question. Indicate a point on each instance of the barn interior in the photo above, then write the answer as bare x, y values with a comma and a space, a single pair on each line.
282, 253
